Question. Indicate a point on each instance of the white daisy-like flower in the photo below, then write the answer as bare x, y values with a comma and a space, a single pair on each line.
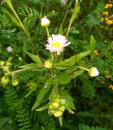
93, 72
57, 43
9, 49
45, 22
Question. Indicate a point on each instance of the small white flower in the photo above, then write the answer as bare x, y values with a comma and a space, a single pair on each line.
93, 72
45, 22
9, 49
57, 43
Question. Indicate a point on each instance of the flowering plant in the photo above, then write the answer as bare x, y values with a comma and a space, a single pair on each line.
52, 69
57, 72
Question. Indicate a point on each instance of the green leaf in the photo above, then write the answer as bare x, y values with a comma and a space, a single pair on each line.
69, 100
85, 127
42, 108
63, 78
62, 65
40, 96
3, 121
12, 18
92, 45
80, 56
31, 66
35, 58
76, 10
77, 73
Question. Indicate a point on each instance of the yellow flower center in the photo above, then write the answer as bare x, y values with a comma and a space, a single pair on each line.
56, 44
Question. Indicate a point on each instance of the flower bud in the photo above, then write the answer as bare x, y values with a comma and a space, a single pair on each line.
15, 82
45, 22
58, 113
93, 72
4, 81
48, 64
55, 105
2, 63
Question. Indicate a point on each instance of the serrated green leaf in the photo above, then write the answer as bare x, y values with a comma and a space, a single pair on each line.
62, 65
80, 56
31, 66
35, 58
40, 96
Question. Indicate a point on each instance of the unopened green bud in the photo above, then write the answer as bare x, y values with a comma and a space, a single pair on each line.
4, 81
20, 59
15, 82
58, 113
2, 63
55, 105
48, 64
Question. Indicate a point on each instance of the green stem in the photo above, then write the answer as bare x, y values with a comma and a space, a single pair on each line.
47, 30
83, 68
22, 25
61, 26
74, 15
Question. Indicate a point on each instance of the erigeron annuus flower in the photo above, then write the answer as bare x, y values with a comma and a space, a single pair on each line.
93, 72
57, 43
45, 22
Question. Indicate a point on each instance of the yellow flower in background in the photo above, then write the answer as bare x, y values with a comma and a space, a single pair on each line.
45, 22
108, 6
105, 13
96, 52
57, 43
111, 86
109, 22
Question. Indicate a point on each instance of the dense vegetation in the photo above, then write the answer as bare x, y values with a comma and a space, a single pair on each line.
56, 65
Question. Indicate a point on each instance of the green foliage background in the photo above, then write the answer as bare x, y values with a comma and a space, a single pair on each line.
92, 97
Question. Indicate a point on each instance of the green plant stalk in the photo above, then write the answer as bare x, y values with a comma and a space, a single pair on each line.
47, 30
21, 24
83, 68
74, 15
11, 7
61, 26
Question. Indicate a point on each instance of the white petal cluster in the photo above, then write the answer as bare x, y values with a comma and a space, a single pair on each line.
57, 43
9, 49
93, 72
45, 22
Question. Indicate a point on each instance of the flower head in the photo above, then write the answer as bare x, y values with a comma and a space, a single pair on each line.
45, 22
57, 43
93, 72
9, 49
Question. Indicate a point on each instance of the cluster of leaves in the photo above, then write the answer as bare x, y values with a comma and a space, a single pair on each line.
27, 106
